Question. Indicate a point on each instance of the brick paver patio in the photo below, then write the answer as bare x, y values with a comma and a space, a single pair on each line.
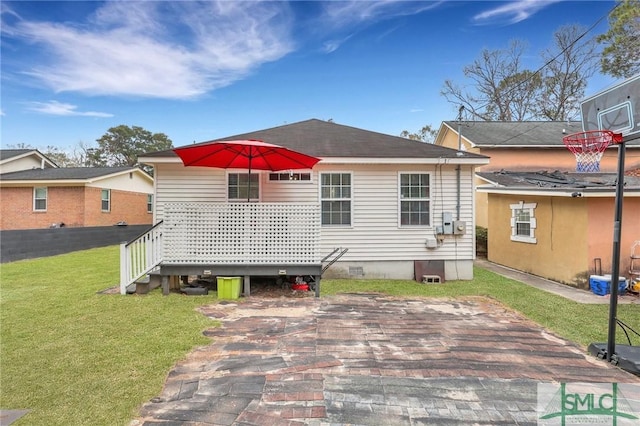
369, 360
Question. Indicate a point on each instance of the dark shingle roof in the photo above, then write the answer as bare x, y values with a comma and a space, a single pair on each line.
5, 154
496, 134
326, 139
557, 180
63, 173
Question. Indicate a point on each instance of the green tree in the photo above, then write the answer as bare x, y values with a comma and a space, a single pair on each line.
426, 134
121, 145
621, 54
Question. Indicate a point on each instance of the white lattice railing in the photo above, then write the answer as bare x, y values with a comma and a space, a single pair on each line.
140, 256
240, 233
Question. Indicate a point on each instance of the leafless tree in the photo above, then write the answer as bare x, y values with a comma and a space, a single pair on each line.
568, 66
501, 89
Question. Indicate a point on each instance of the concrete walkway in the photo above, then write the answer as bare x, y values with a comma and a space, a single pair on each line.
369, 359
571, 293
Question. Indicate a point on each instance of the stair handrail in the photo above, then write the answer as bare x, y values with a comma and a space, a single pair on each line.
342, 251
140, 255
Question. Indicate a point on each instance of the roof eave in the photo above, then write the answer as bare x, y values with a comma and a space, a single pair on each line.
558, 192
354, 160
44, 182
404, 160
122, 172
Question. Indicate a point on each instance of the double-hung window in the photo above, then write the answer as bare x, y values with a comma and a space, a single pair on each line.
523, 222
335, 197
415, 202
106, 200
149, 203
238, 187
40, 199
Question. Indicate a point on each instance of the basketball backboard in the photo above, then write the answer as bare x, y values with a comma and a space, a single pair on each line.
616, 108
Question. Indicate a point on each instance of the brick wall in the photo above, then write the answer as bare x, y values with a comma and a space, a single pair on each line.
129, 207
74, 206
64, 204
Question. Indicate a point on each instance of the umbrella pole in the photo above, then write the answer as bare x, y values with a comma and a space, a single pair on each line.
249, 177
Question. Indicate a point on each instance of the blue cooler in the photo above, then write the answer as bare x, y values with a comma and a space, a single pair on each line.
601, 284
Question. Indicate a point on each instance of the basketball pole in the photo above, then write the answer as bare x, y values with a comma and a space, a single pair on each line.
615, 257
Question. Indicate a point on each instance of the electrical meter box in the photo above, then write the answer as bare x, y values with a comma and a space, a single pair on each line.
447, 223
459, 227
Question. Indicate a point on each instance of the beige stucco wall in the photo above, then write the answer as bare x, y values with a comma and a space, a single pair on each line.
561, 250
482, 206
571, 233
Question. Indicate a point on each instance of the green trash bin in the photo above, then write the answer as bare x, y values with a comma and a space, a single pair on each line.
229, 287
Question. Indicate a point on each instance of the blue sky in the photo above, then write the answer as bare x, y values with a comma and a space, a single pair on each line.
197, 71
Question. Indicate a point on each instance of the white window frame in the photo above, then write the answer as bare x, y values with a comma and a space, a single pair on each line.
243, 199
338, 198
108, 200
533, 224
36, 199
149, 203
427, 199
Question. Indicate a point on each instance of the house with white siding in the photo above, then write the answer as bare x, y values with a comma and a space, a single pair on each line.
375, 206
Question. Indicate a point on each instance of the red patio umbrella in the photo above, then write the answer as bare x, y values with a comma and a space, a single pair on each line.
244, 154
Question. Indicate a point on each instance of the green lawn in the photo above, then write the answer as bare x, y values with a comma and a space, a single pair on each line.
74, 356
77, 357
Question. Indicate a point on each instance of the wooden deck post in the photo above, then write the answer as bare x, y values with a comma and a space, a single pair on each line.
247, 285
165, 285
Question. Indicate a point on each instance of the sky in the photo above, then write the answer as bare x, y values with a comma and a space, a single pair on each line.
201, 70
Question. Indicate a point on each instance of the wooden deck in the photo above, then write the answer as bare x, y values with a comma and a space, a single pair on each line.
235, 239
243, 271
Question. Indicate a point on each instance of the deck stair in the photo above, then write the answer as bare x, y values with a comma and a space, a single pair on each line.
139, 257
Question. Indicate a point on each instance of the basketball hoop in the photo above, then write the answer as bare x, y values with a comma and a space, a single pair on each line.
589, 146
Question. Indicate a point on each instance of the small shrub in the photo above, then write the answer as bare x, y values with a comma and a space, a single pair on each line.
482, 236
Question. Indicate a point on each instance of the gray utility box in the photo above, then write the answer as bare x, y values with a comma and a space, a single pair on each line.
459, 227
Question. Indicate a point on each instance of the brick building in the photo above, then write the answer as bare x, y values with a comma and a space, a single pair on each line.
45, 196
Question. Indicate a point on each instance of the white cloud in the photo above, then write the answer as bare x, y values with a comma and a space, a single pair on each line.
350, 15
347, 13
59, 108
156, 49
512, 12
413, 110
332, 45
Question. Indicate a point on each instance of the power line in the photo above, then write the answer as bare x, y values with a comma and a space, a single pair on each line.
536, 72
